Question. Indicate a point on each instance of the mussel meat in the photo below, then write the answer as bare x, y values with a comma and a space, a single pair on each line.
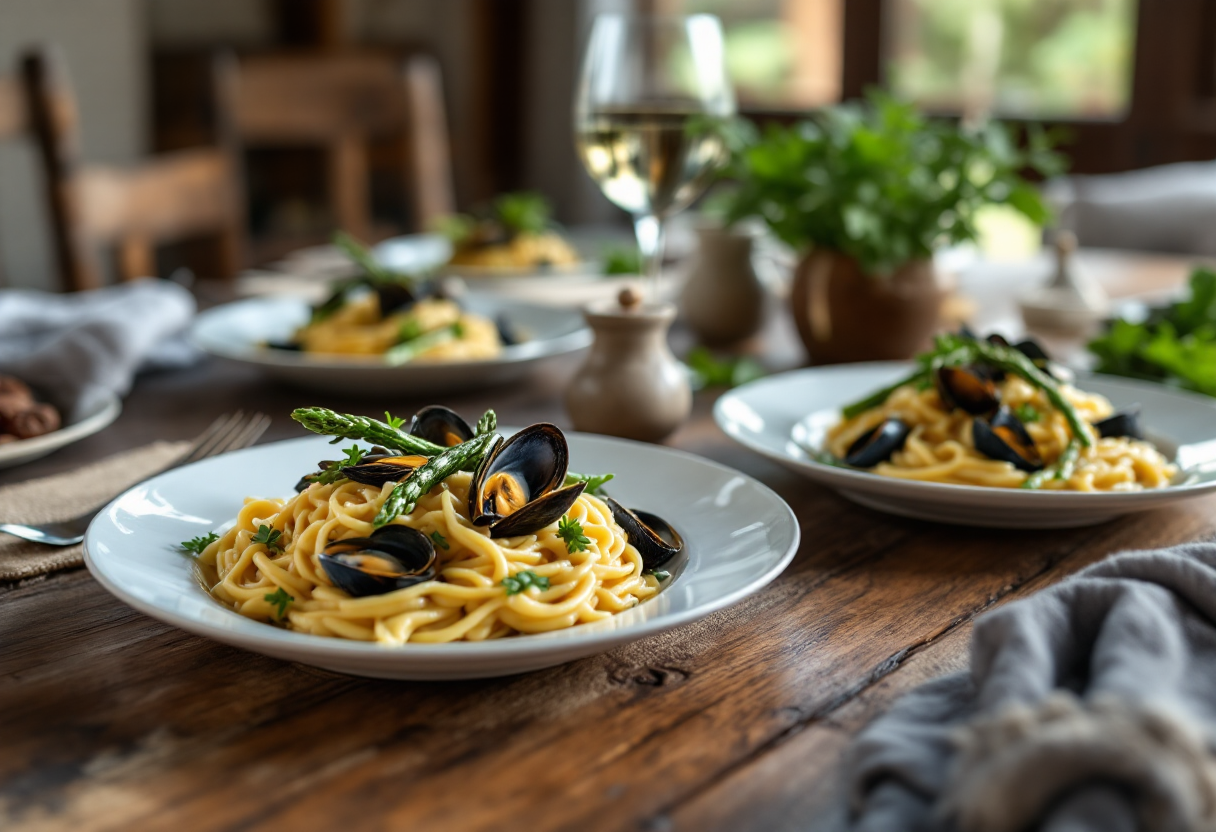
967, 388
877, 444
393, 557
440, 425
1123, 423
377, 469
517, 488
654, 538
1004, 438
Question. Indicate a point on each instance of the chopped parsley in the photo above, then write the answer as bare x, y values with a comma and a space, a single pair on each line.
278, 599
1027, 413
394, 422
517, 583
595, 482
660, 575
198, 544
354, 455
440, 540
571, 531
270, 537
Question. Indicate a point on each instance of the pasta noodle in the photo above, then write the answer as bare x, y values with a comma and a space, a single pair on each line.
358, 328
940, 447
467, 599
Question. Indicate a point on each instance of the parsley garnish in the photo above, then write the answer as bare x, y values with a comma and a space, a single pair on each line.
709, 371
516, 584
659, 574
569, 530
440, 540
198, 544
595, 482
1027, 413
268, 536
354, 455
409, 330
394, 422
279, 599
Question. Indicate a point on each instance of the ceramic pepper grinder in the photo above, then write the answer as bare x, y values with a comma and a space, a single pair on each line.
723, 300
631, 385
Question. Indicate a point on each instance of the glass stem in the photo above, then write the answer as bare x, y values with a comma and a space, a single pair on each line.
649, 230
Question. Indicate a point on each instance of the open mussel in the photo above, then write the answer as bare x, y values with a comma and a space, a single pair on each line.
393, 557
654, 538
967, 388
1004, 438
377, 469
517, 488
877, 444
1123, 423
394, 297
440, 425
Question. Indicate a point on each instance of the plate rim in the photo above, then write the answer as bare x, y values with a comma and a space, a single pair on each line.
323, 648
108, 409
569, 342
894, 487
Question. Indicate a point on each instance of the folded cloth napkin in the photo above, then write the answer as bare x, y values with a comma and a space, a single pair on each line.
1089, 707
76, 348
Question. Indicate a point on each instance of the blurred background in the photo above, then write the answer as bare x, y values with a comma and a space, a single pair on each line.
1135, 87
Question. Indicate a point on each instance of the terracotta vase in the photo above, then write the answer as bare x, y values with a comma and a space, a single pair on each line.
723, 300
844, 315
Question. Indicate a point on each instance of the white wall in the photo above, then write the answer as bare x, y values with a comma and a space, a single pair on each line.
104, 44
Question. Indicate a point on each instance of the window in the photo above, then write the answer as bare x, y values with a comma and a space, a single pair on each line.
781, 54
1069, 59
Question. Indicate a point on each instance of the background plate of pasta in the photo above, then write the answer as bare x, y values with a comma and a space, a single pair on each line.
439, 549
982, 433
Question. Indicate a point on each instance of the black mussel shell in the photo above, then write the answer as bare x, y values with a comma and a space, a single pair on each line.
654, 538
381, 468
523, 476
998, 339
440, 425
1004, 438
1033, 350
1124, 423
967, 388
507, 332
394, 297
286, 346
877, 444
393, 557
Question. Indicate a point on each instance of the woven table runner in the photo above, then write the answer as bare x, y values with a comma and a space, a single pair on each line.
62, 496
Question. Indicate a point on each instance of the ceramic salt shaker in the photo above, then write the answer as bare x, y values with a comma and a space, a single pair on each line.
631, 385
723, 299
1072, 304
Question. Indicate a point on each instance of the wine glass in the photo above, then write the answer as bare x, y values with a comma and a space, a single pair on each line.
652, 93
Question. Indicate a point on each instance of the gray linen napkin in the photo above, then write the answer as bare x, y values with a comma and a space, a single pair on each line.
76, 347
1089, 707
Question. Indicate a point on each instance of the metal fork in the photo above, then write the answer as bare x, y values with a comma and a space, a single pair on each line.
230, 432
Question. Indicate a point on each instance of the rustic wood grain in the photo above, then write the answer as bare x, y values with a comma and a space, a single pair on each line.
111, 720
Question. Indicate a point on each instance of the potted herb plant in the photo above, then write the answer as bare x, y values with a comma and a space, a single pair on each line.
866, 192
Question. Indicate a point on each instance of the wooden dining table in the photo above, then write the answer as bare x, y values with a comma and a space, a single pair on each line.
113, 720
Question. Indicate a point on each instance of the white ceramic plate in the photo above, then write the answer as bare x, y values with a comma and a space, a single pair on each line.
739, 536
781, 416
96, 418
239, 330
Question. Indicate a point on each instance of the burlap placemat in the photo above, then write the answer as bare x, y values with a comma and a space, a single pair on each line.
67, 495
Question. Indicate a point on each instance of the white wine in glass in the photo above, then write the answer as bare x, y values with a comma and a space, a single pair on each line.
652, 93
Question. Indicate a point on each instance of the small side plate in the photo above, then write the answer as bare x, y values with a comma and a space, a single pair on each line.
99, 417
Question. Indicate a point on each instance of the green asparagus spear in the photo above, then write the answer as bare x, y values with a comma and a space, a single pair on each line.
1062, 469
406, 494
875, 399
347, 426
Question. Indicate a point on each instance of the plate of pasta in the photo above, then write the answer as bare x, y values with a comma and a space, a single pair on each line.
982, 432
438, 548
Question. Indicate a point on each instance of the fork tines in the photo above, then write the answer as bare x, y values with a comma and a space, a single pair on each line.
229, 432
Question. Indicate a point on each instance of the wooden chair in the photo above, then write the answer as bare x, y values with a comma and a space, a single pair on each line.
340, 101
176, 196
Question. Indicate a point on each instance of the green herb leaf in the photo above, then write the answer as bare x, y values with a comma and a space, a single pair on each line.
595, 482
440, 540
660, 574
523, 212
394, 422
198, 544
279, 599
268, 536
571, 531
622, 260
521, 581
1027, 413
708, 371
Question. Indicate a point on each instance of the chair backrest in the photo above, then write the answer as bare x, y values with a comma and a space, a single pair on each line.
133, 209
338, 101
